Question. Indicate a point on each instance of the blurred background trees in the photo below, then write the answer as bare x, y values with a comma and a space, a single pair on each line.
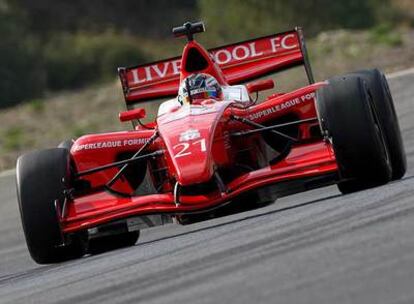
53, 44
242, 18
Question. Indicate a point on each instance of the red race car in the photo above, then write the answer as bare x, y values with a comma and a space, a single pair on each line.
211, 149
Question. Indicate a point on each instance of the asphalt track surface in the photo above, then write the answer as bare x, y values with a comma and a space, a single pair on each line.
313, 247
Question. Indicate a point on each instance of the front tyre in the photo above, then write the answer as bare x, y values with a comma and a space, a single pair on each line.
349, 119
384, 104
41, 178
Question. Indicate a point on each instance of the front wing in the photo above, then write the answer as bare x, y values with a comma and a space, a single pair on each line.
304, 161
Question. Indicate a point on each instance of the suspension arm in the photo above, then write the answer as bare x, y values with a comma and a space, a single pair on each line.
119, 173
264, 128
119, 163
260, 128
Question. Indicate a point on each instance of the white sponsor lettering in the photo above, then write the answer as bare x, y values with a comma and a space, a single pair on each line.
161, 73
282, 106
176, 66
282, 43
161, 70
148, 73
275, 43
135, 77
135, 141
222, 56
110, 144
230, 54
253, 52
241, 52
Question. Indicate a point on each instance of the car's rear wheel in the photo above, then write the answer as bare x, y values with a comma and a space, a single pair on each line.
384, 104
42, 177
349, 119
112, 242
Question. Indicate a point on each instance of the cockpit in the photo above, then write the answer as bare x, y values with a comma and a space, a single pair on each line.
236, 93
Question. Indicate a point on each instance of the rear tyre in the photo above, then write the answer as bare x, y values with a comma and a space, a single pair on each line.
349, 119
42, 177
381, 95
112, 242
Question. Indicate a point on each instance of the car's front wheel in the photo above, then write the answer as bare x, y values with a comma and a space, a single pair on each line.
384, 104
350, 120
42, 178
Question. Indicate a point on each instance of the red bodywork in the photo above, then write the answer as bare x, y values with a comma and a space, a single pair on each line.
210, 145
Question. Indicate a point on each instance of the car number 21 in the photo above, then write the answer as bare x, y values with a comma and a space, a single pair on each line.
182, 148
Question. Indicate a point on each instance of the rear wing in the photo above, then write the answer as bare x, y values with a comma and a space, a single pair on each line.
239, 62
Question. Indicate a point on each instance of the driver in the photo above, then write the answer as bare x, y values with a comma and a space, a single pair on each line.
201, 86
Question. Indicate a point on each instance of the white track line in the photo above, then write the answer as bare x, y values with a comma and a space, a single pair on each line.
389, 76
7, 173
400, 73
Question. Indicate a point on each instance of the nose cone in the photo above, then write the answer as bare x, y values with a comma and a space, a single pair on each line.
188, 135
193, 162
188, 132
188, 142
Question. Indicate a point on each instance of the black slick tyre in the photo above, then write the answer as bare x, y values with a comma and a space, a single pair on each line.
42, 177
350, 121
384, 104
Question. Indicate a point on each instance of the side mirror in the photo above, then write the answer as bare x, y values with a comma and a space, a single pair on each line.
260, 85
132, 114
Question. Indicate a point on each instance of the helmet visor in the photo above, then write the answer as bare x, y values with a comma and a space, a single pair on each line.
201, 94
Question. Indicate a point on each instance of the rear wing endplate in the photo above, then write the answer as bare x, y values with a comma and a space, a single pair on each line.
239, 62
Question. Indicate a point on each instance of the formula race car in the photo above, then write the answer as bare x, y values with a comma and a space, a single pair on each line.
211, 149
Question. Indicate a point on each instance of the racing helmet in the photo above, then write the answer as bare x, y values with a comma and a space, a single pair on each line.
201, 86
